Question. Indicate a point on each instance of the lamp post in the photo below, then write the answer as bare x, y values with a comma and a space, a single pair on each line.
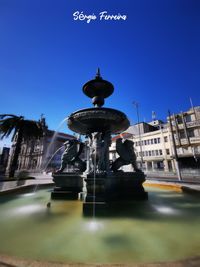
174, 147
136, 104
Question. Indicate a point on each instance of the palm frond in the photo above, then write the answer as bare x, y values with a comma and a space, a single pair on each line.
2, 116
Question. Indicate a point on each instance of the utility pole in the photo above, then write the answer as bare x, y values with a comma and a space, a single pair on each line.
136, 104
174, 148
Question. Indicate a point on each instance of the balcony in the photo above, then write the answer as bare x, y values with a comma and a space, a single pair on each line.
195, 123
194, 140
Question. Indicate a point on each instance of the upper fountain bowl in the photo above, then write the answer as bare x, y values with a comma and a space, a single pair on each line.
92, 120
98, 89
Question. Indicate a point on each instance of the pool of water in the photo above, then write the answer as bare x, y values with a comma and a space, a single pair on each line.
164, 228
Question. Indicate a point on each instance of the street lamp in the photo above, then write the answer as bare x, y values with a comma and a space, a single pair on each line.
136, 105
174, 147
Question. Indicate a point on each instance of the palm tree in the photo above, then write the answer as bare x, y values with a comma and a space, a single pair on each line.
22, 130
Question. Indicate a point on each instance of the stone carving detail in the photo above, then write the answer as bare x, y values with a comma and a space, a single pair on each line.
126, 152
73, 149
99, 152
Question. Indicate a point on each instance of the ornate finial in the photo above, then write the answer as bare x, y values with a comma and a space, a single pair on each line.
98, 89
98, 75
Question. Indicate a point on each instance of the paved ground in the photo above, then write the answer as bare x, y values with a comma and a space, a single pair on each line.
190, 187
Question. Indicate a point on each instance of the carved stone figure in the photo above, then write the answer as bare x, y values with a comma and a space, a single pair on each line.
99, 144
73, 149
126, 153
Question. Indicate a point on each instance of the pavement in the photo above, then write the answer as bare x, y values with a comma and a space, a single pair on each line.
190, 186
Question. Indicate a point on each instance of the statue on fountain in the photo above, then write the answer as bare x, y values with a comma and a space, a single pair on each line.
125, 149
73, 149
99, 144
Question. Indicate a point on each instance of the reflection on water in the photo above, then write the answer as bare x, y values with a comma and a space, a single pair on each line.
27, 209
166, 210
94, 226
166, 227
28, 194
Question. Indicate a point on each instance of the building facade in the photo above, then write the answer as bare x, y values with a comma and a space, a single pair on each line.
4, 155
159, 146
41, 155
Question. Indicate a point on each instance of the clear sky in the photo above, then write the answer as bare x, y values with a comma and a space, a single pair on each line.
152, 57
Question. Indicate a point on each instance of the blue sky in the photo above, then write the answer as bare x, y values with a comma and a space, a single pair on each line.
153, 57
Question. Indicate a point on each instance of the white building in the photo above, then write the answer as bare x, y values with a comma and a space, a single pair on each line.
154, 146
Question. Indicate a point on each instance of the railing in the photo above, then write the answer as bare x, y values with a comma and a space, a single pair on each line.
193, 123
192, 175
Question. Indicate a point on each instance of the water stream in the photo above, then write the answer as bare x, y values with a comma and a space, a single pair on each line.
50, 146
94, 186
49, 161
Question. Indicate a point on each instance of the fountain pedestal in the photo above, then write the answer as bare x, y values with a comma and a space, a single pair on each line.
123, 186
68, 185
95, 196
96, 188
103, 191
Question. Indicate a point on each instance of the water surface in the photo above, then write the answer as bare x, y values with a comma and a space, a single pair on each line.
164, 228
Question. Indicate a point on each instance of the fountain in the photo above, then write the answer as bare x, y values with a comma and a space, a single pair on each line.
37, 230
104, 182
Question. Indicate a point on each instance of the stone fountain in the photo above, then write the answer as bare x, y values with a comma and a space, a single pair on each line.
100, 180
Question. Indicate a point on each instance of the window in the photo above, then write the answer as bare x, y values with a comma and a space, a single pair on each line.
188, 118
182, 134
156, 152
167, 151
145, 142
158, 140
160, 151
153, 153
148, 142
155, 140
151, 141
191, 133
150, 153
179, 119
166, 139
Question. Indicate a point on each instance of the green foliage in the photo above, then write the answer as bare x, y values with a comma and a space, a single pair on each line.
22, 130
11, 123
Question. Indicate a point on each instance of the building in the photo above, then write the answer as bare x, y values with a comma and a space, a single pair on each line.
158, 150
4, 155
42, 154
185, 127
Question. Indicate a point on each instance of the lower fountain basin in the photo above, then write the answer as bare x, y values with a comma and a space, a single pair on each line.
163, 229
90, 120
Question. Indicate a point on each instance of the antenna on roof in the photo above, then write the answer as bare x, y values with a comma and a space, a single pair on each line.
153, 115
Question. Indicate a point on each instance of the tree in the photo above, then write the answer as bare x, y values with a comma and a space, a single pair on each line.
22, 130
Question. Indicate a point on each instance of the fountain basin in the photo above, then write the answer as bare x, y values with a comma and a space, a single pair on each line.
91, 120
163, 229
